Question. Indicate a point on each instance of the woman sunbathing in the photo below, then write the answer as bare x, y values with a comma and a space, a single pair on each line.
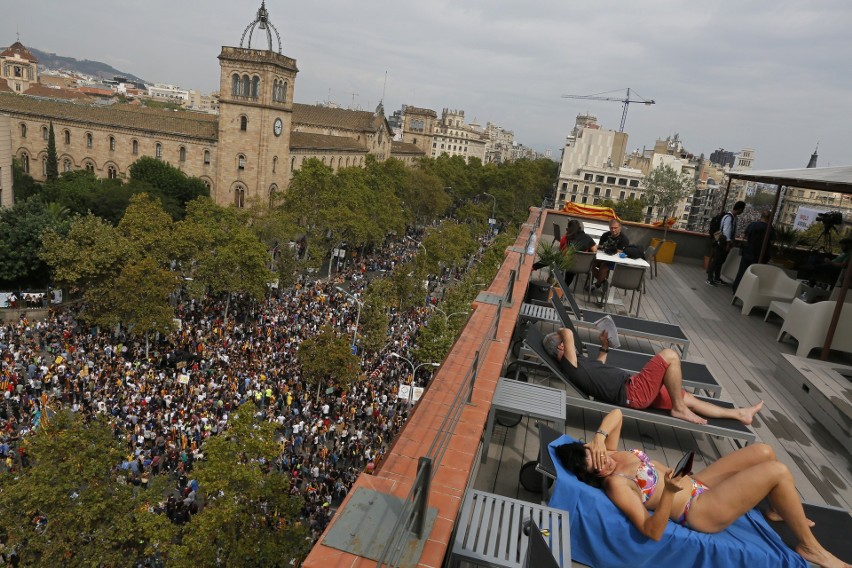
713, 499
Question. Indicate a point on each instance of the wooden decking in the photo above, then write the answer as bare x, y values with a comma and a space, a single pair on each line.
742, 353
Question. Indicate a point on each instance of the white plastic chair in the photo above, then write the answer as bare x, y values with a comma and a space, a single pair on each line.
763, 284
808, 323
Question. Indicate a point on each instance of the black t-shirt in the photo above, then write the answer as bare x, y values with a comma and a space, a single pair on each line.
598, 380
581, 242
609, 243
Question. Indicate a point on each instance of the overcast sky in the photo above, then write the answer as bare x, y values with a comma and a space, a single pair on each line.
775, 76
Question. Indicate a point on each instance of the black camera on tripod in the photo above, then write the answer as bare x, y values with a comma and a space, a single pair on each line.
830, 218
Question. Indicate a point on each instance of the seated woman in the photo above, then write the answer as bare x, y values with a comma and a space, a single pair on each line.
708, 502
575, 237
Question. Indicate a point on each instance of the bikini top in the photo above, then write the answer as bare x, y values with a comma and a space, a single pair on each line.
646, 475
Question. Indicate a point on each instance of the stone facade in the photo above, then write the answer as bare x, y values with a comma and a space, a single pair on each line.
244, 155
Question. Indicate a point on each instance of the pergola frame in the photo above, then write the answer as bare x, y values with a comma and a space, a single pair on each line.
834, 179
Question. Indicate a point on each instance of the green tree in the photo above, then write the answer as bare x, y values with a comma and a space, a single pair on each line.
168, 181
52, 158
139, 299
225, 255
23, 185
91, 253
326, 359
21, 228
665, 188
67, 508
630, 209
423, 197
249, 518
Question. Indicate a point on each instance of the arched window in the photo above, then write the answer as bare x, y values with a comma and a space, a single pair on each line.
235, 85
323, 159
240, 196
44, 166
284, 92
23, 130
112, 173
90, 167
45, 133
293, 164
208, 185
182, 154
246, 86
206, 157
135, 148
275, 90
255, 87
243, 123
274, 163
67, 134
66, 165
112, 143
25, 162
88, 139
241, 162
158, 151
273, 189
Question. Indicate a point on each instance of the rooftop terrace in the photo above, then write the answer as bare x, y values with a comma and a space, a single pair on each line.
741, 352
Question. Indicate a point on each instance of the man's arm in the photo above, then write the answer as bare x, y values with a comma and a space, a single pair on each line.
602, 352
570, 352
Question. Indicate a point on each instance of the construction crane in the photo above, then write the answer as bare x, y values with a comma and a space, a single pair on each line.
625, 101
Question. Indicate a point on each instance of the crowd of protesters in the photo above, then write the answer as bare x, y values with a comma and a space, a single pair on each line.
165, 403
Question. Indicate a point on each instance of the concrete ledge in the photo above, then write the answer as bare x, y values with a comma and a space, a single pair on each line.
824, 389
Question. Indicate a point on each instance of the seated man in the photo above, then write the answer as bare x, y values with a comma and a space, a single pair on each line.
657, 385
613, 241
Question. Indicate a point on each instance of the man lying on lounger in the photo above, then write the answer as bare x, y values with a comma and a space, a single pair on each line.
658, 385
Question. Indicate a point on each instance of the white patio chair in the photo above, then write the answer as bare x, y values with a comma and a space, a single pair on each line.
808, 323
763, 284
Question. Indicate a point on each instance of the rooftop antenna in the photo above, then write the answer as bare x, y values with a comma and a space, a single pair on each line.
354, 94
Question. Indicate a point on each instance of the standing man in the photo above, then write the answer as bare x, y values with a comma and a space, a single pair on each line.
723, 243
754, 235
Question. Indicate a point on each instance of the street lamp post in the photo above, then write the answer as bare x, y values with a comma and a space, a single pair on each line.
357, 317
413, 373
493, 208
447, 317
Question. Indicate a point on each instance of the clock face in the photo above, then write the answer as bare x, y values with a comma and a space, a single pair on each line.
277, 126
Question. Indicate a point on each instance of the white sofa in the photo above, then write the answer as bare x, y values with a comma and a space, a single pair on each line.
808, 323
763, 284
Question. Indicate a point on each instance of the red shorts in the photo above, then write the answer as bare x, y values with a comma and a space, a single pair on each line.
645, 389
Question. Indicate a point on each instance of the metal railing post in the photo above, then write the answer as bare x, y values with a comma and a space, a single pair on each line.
424, 466
473, 377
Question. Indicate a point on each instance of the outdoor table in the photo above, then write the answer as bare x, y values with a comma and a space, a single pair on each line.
616, 259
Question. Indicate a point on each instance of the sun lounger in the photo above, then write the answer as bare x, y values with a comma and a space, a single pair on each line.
628, 326
726, 428
601, 535
695, 375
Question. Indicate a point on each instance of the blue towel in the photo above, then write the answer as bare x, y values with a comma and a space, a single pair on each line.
602, 537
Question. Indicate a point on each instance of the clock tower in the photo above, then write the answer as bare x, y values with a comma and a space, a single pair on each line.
255, 116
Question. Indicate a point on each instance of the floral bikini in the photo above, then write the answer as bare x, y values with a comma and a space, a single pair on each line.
646, 478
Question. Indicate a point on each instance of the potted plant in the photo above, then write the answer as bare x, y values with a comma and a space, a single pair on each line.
786, 240
550, 256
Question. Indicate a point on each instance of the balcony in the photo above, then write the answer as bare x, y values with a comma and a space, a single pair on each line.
449, 423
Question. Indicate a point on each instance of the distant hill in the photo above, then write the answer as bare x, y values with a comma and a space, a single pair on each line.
93, 68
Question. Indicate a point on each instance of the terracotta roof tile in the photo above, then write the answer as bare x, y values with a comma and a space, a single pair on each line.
18, 49
406, 148
152, 121
4, 88
340, 118
63, 94
308, 141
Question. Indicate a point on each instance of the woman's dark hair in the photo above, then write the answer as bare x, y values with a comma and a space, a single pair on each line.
574, 227
573, 458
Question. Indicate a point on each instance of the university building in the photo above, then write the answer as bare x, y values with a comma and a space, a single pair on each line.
244, 155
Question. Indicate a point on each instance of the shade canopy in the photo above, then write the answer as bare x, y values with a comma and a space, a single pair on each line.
836, 179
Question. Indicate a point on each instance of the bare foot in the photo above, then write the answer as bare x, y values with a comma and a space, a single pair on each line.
821, 557
772, 515
688, 415
746, 415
